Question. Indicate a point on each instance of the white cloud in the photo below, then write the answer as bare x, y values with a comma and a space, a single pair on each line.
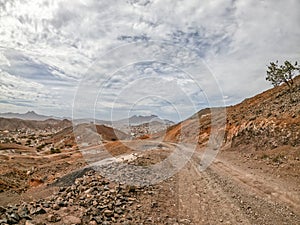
63, 38
3, 60
15, 90
266, 31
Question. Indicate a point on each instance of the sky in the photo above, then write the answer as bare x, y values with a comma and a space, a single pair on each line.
111, 59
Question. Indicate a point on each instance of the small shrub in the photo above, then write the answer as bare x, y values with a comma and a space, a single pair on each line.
264, 156
277, 159
28, 142
54, 150
40, 147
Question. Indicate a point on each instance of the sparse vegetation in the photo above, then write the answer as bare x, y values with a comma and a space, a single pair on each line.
40, 147
28, 142
264, 156
32, 137
278, 74
54, 150
278, 159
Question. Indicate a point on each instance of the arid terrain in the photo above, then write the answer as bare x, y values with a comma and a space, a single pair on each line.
48, 175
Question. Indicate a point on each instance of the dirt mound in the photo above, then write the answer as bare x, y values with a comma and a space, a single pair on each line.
5, 146
117, 148
86, 132
63, 138
111, 134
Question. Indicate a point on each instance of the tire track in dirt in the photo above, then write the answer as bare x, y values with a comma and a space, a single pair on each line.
224, 195
203, 201
263, 187
257, 208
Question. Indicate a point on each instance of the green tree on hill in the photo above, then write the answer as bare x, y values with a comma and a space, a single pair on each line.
278, 74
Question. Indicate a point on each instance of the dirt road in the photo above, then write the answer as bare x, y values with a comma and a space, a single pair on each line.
227, 193
231, 190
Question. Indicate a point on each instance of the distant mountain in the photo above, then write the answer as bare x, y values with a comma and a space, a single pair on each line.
15, 123
133, 121
138, 120
30, 115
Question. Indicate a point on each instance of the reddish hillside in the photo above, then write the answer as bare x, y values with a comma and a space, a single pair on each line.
89, 132
265, 121
110, 134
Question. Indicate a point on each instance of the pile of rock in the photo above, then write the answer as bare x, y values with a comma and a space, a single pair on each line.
92, 199
133, 173
102, 194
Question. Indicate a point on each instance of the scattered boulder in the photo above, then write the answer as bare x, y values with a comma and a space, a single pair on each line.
90, 199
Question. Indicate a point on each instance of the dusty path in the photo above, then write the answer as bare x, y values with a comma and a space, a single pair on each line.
204, 202
259, 184
227, 194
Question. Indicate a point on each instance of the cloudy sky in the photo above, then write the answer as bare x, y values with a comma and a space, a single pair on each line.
118, 58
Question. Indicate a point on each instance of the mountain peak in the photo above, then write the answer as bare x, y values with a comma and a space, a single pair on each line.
140, 119
31, 113
144, 116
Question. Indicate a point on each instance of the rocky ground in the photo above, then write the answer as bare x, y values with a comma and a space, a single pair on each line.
233, 190
86, 197
92, 199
